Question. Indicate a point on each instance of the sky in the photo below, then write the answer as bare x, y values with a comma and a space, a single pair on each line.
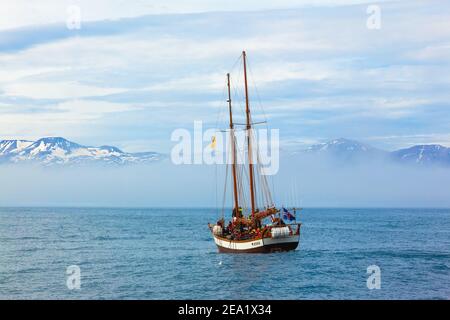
137, 70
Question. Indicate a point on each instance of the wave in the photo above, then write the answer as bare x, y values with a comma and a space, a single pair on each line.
109, 238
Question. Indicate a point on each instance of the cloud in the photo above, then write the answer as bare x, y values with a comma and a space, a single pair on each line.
56, 90
19, 13
133, 73
93, 108
319, 71
318, 183
432, 53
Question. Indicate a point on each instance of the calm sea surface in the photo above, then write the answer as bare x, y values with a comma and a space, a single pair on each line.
169, 254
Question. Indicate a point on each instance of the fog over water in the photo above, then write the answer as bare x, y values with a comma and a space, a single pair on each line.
300, 181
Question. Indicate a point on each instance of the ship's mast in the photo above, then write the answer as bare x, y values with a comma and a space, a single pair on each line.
233, 149
249, 140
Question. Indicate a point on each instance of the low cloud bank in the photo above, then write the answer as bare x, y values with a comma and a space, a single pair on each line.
301, 181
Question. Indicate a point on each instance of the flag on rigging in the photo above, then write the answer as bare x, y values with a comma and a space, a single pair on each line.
287, 215
213, 143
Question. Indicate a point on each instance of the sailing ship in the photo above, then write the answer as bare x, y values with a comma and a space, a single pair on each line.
264, 230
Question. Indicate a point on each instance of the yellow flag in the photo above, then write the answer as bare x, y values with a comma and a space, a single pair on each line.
213, 143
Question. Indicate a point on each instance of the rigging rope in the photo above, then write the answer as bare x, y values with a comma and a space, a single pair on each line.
265, 119
262, 188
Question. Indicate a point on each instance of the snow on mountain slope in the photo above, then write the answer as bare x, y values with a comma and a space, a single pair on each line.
345, 149
57, 150
424, 154
350, 151
13, 146
341, 145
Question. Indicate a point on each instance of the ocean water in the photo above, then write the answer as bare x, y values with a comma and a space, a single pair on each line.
169, 254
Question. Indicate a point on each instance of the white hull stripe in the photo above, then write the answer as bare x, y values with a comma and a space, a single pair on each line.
254, 244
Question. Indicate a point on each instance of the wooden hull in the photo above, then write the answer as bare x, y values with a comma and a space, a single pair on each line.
266, 245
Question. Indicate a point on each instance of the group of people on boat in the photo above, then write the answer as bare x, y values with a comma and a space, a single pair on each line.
241, 228
235, 230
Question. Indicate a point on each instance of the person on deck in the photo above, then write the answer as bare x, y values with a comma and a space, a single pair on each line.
230, 227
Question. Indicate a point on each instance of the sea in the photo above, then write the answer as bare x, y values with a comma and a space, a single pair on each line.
152, 253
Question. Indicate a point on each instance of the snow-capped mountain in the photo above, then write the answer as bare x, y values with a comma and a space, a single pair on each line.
350, 150
340, 145
424, 154
345, 149
57, 150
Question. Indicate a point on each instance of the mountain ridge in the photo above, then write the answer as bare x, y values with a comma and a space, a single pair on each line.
60, 151
347, 149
